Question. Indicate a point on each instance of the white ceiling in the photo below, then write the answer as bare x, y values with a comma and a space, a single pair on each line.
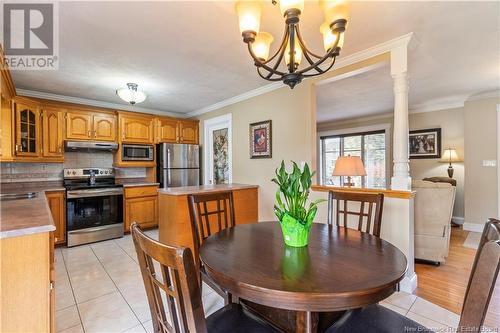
451, 60
188, 55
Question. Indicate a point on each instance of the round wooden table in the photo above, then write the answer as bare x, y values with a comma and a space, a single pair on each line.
340, 269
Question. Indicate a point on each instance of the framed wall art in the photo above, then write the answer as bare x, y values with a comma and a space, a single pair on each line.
261, 139
425, 143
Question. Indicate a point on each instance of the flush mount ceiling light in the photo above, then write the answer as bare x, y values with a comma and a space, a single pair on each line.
131, 94
284, 64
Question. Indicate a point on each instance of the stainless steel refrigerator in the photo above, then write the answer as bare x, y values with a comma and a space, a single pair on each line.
178, 165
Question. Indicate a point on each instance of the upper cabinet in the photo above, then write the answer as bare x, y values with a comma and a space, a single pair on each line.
104, 127
177, 131
167, 130
83, 125
78, 125
188, 131
52, 132
27, 129
136, 128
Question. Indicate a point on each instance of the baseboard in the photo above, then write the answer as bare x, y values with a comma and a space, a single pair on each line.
408, 284
473, 227
458, 220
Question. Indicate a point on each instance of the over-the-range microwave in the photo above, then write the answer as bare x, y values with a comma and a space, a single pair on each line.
138, 152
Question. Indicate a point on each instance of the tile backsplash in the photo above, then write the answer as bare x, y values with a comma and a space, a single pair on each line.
31, 172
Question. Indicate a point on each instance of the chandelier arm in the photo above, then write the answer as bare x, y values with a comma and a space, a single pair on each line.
284, 40
322, 60
323, 71
268, 77
304, 46
310, 60
259, 63
281, 51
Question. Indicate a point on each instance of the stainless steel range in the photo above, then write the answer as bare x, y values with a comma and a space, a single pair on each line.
94, 205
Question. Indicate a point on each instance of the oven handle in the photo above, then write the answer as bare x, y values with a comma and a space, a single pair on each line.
93, 193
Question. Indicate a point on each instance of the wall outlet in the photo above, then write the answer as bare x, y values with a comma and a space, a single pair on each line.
489, 163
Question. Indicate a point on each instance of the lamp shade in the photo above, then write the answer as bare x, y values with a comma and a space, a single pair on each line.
349, 166
449, 155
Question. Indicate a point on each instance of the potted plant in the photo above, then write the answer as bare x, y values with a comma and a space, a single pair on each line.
291, 208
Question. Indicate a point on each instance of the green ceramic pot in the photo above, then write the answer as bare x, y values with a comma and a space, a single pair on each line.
294, 232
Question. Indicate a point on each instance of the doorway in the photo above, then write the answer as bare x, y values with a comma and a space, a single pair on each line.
218, 150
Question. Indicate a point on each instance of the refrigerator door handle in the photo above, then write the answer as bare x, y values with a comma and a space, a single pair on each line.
169, 178
169, 165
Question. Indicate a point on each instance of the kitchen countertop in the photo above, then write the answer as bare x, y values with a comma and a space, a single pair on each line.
23, 187
25, 216
131, 182
186, 190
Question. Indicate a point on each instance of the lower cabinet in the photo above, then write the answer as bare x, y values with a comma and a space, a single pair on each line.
141, 206
57, 204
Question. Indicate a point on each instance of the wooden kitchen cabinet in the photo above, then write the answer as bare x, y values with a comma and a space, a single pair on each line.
78, 125
84, 125
188, 131
177, 131
136, 128
141, 206
104, 127
52, 132
57, 205
27, 129
168, 131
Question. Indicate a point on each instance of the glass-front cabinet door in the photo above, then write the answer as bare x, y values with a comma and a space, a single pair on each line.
27, 130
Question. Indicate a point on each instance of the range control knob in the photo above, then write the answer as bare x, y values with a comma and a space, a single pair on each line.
74, 172
100, 172
106, 172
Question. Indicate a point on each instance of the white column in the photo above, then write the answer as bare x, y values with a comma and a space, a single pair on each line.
401, 172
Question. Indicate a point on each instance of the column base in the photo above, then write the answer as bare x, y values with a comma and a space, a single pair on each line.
408, 284
401, 183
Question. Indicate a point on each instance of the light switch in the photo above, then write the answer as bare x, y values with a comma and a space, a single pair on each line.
489, 163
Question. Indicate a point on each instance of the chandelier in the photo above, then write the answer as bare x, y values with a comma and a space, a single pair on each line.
284, 65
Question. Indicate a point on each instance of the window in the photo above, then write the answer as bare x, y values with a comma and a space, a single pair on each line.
369, 146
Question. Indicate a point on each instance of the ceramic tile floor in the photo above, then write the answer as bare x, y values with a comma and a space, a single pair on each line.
99, 289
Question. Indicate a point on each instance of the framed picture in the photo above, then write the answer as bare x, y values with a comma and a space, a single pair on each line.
261, 139
425, 143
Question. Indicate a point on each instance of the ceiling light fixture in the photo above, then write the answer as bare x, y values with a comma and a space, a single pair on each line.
292, 48
131, 94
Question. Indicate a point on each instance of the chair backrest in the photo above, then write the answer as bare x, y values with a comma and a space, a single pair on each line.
482, 280
173, 291
210, 213
491, 232
366, 210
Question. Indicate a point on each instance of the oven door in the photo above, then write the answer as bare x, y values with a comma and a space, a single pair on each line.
137, 153
94, 215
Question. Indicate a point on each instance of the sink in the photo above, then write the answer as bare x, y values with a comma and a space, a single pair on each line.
18, 196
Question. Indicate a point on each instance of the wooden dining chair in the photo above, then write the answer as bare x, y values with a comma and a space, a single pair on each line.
366, 213
174, 295
482, 281
210, 213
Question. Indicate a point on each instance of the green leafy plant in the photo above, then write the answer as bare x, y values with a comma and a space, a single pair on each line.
292, 194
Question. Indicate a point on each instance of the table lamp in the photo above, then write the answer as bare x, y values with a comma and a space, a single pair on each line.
349, 166
449, 155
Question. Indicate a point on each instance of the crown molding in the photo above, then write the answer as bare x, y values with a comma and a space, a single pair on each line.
404, 40
96, 103
484, 95
451, 102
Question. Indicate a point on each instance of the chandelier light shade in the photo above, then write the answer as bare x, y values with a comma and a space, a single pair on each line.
131, 94
285, 64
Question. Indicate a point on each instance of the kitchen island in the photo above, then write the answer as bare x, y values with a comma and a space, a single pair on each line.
174, 220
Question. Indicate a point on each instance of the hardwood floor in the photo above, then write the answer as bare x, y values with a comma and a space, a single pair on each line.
445, 285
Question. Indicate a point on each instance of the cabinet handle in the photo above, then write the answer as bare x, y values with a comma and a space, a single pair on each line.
123, 136
17, 148
88, 133
60, 149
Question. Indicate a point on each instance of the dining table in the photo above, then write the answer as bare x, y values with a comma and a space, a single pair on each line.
302, 289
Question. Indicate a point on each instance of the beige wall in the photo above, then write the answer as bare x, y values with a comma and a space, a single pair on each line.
450, 121
480, 144
292, 127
